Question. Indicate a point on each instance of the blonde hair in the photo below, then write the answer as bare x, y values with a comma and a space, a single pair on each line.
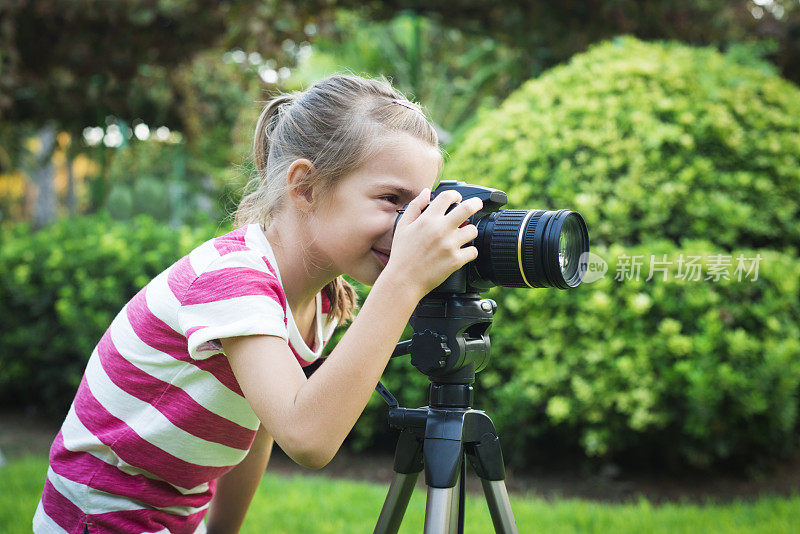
338, 124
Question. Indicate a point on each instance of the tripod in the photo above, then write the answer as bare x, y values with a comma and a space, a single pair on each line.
438, 437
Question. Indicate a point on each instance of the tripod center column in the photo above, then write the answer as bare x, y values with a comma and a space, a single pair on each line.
450, 396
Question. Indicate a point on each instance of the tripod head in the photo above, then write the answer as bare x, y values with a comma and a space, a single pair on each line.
451, 336
450, 344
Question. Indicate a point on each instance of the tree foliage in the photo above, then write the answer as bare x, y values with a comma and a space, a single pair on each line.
551, 32
71, 64
450, 73
76, 61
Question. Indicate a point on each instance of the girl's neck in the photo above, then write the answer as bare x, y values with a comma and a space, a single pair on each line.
302, 277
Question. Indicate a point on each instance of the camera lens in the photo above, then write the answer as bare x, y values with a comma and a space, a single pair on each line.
570, 242
532, 248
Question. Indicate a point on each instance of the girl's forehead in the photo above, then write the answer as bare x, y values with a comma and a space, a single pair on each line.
408, 159
405, 143
400, 164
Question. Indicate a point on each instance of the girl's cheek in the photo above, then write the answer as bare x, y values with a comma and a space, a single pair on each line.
378, 218
389, 220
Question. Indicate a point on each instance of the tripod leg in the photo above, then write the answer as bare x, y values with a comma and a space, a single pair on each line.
407, 467
439, 510
394, 507
487, 459
457, 507
499, 506
451, 519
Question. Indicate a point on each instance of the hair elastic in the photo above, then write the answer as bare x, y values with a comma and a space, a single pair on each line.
410, 105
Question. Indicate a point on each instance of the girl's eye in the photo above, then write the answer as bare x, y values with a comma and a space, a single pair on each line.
390, 198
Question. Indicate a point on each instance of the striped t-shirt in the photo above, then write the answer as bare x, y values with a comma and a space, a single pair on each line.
159, 415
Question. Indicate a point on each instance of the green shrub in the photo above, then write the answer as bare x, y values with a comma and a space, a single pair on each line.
675, 370
60, 289
649, 140
665, 149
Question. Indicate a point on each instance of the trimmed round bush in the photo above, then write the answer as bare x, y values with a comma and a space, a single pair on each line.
671, 153
649, 140
62, 286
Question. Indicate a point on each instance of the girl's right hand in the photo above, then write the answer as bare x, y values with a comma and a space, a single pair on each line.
426, 247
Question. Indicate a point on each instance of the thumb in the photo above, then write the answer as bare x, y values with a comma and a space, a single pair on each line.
415, 207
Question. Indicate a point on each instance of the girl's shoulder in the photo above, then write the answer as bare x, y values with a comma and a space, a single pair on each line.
234, 241
245, 247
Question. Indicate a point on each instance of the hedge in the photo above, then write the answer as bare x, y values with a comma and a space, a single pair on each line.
60, 289
674, 371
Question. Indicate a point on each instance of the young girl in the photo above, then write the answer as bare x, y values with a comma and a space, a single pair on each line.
181, 400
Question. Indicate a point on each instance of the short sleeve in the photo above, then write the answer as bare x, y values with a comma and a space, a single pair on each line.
235, 295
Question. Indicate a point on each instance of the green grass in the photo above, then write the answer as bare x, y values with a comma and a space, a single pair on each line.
302, 504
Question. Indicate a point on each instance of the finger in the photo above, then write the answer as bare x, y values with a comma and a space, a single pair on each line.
467, 254
444, 200
465, 234
464, 211
415, 207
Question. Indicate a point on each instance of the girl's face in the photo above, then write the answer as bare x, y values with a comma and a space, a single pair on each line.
354, 226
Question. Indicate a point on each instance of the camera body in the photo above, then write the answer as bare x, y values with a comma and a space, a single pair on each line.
517, 247
467, 279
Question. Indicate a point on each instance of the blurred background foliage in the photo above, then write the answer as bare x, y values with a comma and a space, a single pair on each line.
451, 72
125, 134
62, 286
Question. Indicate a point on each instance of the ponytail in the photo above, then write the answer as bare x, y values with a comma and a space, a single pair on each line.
252, 206
343, 298
264, 128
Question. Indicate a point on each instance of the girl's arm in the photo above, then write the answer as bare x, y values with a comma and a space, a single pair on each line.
310, 418
235, 488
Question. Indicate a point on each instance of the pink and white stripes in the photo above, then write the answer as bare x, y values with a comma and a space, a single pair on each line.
159, 414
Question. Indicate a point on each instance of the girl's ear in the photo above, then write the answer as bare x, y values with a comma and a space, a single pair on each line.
297, 178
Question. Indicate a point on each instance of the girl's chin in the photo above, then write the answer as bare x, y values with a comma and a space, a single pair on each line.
366, 277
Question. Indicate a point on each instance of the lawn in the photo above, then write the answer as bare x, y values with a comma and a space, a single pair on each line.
302, 504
